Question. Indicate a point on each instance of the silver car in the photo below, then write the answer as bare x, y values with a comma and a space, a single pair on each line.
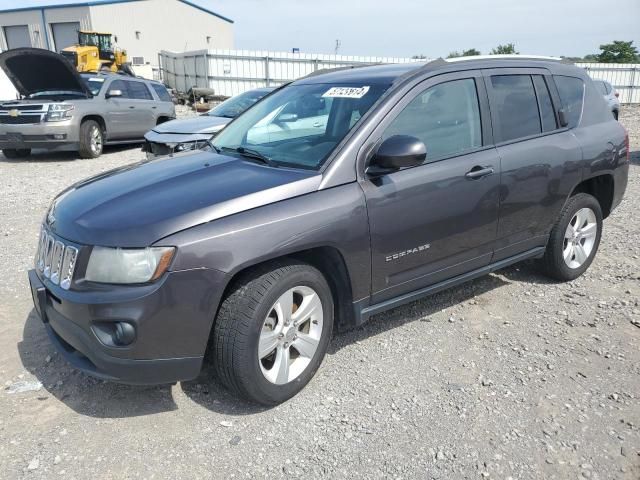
62, 109
610, 95
193, 133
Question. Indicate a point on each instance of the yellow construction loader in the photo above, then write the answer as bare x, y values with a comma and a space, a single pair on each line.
94, 52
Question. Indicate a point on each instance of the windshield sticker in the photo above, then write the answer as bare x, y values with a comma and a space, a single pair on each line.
346, 92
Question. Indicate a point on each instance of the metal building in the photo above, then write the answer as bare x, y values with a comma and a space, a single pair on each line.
142, 27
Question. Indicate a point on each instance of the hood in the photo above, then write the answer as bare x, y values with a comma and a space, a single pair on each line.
138, 205
33, 70
200, 124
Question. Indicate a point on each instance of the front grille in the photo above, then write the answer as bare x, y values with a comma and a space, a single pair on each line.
28, 107
20, 119
55, 260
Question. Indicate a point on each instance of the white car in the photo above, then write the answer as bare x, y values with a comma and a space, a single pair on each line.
610, 95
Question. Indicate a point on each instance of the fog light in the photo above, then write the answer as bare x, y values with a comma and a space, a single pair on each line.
59, 136
124, 334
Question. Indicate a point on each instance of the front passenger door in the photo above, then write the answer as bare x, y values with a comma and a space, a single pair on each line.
437, 220
120, 120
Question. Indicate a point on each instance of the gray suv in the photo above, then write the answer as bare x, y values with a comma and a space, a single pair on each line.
63, 109
401, 181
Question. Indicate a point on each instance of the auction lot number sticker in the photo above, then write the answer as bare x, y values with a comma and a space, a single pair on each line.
346, 92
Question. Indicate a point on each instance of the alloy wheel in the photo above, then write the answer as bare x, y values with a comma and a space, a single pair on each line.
580, 238
290, 335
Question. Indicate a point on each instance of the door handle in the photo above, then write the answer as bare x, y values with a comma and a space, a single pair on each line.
132, 106
479, 171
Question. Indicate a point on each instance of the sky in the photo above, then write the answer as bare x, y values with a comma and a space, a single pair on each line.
427, 27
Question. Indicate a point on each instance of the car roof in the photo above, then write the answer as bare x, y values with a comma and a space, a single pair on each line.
374, 74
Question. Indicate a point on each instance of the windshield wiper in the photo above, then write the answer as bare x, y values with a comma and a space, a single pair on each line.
212, 146
250, 153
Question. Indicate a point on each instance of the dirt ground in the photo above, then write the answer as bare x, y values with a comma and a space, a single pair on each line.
509, 376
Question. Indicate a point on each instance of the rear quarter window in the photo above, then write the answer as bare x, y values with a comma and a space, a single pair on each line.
161, 92
571, 91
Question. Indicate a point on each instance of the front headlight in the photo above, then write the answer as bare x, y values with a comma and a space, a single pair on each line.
185, 147
59, 112
128, 265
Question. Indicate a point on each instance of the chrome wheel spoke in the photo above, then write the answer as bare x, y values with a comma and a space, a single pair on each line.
284, 306
310, 307
281, 365
268, 343
589, 230
567, 254
580, 254
306, 345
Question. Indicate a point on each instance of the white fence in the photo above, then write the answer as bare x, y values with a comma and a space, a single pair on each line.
625, 78
230, 72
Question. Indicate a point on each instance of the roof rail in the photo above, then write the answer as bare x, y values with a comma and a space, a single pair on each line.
322, 71
510, 56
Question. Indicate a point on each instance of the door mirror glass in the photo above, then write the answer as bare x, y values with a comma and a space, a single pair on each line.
399, 151
286, 117
114, 93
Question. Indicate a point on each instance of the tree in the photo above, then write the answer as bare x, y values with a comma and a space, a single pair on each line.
472, 52
509, 48
618, 52
465, 53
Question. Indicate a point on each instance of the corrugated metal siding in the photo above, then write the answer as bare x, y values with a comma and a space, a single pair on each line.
230, 72
625, 78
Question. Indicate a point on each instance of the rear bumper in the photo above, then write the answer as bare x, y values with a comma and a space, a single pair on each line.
171, 330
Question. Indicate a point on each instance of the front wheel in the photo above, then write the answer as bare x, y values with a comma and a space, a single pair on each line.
91, 139
574, 239
272, 331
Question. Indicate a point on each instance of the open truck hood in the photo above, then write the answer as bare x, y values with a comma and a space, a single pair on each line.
33, 70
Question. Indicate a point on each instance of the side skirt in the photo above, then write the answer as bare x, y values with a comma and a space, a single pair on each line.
363, 313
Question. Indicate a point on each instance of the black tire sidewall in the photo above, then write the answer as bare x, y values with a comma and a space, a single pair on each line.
257, 385
556, 265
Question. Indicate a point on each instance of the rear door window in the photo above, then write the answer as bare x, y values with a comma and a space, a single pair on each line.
602, 88
571, 91
547, 115
445, 117
139, 91
516, 105
161, 92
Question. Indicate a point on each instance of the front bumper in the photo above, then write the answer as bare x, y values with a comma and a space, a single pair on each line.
172, 320
49, 135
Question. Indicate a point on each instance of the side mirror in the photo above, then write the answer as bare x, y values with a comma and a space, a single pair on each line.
562, 117
113, 93
397, 152
286, 117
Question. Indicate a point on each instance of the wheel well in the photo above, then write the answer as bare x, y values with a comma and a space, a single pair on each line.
331, 264
601, 187
98, 119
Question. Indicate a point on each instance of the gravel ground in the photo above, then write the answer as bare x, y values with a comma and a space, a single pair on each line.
509, 376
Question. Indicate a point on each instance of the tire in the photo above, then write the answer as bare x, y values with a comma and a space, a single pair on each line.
249, 320
91, 139
615, 114
559, 246
16, 152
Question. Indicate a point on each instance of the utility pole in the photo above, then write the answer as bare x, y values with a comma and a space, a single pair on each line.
338, 45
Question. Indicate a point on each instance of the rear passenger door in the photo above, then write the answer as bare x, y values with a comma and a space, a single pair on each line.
540, 161
437, 220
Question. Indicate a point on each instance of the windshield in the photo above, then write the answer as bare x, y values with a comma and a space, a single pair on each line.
93, 83
299, 125
234, 106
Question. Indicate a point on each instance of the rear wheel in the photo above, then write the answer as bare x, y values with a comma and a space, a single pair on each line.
272, 331
91, 139
615, 114
574, 239
16, 152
